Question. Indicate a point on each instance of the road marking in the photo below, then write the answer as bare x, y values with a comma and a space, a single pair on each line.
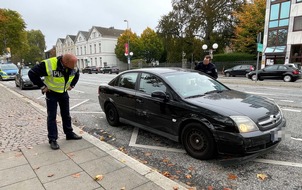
79, 104
286, 101
297, 139
79, 91
275, 162
285, 109
133, 143
87, 112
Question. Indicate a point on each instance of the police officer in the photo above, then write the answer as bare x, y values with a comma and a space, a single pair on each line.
207, 67
60, 74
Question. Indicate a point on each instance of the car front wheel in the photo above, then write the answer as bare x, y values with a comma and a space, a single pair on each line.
227, 74
112, 115
254, 77
287, 78
198, 141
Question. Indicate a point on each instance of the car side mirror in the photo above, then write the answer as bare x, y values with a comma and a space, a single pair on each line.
160, 94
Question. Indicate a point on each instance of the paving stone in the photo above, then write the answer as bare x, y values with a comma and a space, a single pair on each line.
149, 186
31, 184
86, 155
127, 178
16, 174
73, 145
84, 181
58, 170
101, 166
11, 159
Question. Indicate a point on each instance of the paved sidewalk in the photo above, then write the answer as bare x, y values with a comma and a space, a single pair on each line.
27, 162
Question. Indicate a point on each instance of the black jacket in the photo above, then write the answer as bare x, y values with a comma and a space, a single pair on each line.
209, 69
39, 70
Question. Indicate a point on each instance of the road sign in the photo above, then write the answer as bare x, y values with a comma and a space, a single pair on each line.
259, 47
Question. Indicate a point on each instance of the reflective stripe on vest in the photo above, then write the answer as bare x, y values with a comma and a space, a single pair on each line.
55, 80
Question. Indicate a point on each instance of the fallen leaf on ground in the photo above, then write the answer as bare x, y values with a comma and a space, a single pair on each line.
102, 138
36, 168
81, 132
165, 160
188, 176
191, 168
98, 177
226, 188
50, 175
77, 175
171, 165
123, 188
232, 176
262, 176
166, 173
18, 155
70, 155
210, 187
148, 154
144, 161
175, 188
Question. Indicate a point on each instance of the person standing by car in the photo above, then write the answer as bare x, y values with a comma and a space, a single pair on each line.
207, 67
60, 74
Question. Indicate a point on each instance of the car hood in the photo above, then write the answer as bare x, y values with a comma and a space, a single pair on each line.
9, 71
233, 102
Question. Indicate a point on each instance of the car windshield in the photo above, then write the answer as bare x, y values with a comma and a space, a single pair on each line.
194, 84
24, 72
8, 66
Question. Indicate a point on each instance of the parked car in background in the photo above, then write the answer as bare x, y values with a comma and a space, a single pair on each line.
110, 70
238, 70
277, 71
189, 107
22, 80
8, 71
90, 70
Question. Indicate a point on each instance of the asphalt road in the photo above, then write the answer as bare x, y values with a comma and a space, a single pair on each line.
279, 169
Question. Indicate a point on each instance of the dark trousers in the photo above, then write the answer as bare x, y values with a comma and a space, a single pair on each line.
52, 101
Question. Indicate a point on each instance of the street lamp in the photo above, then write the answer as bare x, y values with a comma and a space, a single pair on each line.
214, 47
128, 53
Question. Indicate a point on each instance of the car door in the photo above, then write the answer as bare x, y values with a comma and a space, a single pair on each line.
269, 72
124, 95
236, 70
152, 112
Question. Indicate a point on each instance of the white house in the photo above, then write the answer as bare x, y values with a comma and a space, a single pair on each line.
93, 48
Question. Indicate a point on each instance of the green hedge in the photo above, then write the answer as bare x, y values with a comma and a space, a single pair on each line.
233, 57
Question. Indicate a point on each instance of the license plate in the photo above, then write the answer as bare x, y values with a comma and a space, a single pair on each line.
275, 136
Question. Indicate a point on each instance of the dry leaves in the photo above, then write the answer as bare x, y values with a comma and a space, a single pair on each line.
175, 188
77, 175
166, 173
98, 177
148, 154
102, 138
50, 175
232, 177
188, 176
123, 188
262, 176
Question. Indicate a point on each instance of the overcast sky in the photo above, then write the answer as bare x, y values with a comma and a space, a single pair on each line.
58, 18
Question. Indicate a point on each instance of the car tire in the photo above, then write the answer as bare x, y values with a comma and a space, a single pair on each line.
112, 115
198, 141
287, 78
254, 77
110, 72
16, 84
227, 74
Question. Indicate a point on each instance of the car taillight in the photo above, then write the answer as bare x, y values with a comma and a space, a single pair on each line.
295, 72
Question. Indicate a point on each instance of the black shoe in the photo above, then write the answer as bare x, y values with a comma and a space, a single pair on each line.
54, 145
73, 136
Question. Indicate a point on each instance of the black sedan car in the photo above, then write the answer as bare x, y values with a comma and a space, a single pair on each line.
22, 80
238, 70
187, 106
90, 70
277, 71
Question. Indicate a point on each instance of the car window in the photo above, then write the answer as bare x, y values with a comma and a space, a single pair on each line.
150, 83
237, 67
193, 84
270, 68
281, 67
128, 80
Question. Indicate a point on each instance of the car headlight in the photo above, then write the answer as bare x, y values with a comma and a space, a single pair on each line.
244, 124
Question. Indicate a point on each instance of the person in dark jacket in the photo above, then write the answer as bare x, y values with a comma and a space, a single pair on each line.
206, 66
60, 75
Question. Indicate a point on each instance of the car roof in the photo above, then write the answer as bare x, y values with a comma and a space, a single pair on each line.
163, 70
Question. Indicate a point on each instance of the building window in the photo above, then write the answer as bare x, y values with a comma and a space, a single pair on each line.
96, 61
90, 49
100, 61
84, 50
277, 37
100, 47
279, 14
298, 23
94, 48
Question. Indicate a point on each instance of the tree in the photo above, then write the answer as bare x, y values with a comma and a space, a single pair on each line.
36, 42
152, 45
134, 42
251, 21
12, 32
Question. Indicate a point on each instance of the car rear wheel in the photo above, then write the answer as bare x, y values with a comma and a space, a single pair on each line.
287, 78
198, 141
112, 115
227, 74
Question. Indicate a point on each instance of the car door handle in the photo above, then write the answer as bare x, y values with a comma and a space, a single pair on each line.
139, 101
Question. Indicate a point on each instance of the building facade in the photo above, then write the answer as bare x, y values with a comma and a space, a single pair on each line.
95, 47
282, 40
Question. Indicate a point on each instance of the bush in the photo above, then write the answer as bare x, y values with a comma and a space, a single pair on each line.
233, 57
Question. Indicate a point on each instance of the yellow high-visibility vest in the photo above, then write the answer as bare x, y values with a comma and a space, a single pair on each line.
55, 80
